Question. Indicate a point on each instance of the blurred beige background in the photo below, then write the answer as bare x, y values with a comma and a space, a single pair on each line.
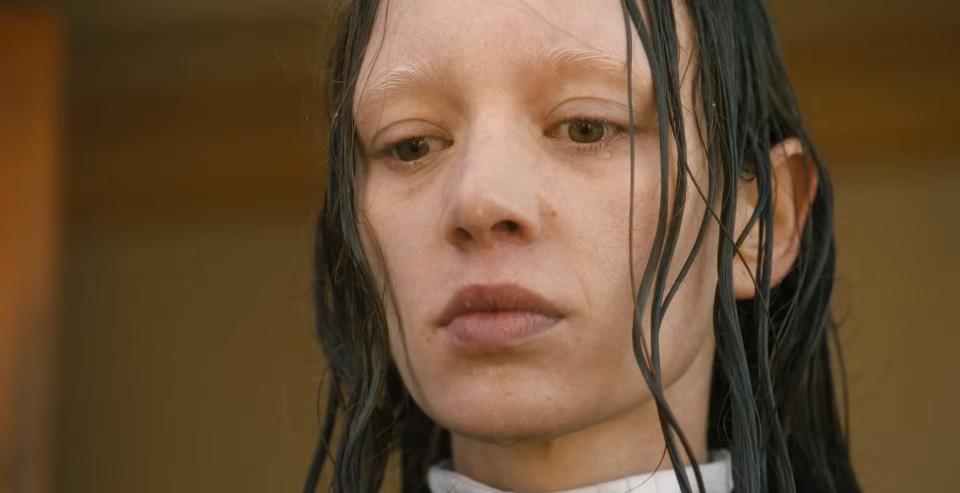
185, 354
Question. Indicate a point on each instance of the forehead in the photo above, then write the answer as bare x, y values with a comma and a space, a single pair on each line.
481, 40
491, 23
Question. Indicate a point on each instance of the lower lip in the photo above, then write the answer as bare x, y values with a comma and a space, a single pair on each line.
492, 331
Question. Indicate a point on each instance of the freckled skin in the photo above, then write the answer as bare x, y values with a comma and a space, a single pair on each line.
570, 408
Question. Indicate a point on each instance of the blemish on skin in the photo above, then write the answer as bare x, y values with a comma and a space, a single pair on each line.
604, 154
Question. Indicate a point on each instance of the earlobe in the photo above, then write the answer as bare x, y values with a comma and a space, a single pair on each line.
794, 187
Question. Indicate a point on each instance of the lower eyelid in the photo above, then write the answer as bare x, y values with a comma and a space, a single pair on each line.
612, 142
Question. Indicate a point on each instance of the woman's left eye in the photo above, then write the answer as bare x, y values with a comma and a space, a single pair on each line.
587, 131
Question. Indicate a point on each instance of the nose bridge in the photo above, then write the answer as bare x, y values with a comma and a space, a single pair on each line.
493, 192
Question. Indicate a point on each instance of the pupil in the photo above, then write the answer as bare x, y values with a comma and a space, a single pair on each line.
586, 131
412, 150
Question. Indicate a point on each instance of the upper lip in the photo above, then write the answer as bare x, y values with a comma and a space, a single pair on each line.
496, 298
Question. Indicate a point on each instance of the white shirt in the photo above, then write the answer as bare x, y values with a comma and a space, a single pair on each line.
717, 478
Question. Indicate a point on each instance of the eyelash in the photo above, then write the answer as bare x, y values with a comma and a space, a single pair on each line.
612, 131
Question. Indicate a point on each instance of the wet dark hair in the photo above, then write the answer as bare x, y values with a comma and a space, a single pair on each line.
773, 402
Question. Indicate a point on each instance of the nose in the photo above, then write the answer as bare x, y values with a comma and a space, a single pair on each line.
492, 199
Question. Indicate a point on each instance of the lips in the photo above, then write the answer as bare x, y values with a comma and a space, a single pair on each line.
492, 317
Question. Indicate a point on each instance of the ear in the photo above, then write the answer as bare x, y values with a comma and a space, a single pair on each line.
794, 186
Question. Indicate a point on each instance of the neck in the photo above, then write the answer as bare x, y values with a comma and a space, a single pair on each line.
625, 445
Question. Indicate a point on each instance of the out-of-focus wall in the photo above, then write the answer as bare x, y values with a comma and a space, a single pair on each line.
896, 231
876, 85
187, 360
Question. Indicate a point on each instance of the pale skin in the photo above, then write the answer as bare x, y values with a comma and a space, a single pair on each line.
494, 149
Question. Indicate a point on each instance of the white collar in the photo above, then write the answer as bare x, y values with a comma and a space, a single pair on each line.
717, 478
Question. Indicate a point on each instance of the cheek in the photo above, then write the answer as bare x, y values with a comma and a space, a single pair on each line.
687, 324
602, 232
394, 228
601, 262
391, 228
378, 241
686, 327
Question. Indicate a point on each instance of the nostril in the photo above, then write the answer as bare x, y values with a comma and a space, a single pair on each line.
500, 231
508, 226
461, 235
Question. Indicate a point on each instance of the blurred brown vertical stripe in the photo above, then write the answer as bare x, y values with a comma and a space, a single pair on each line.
30, 65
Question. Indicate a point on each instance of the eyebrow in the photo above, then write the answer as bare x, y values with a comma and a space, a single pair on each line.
609, 66
583, 63
406, 76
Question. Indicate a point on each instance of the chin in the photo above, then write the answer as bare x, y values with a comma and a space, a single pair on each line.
506, 413
516, 428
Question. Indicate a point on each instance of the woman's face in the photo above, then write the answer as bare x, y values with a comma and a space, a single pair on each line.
494, 204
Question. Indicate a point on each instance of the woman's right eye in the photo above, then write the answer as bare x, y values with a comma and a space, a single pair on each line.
410, 150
